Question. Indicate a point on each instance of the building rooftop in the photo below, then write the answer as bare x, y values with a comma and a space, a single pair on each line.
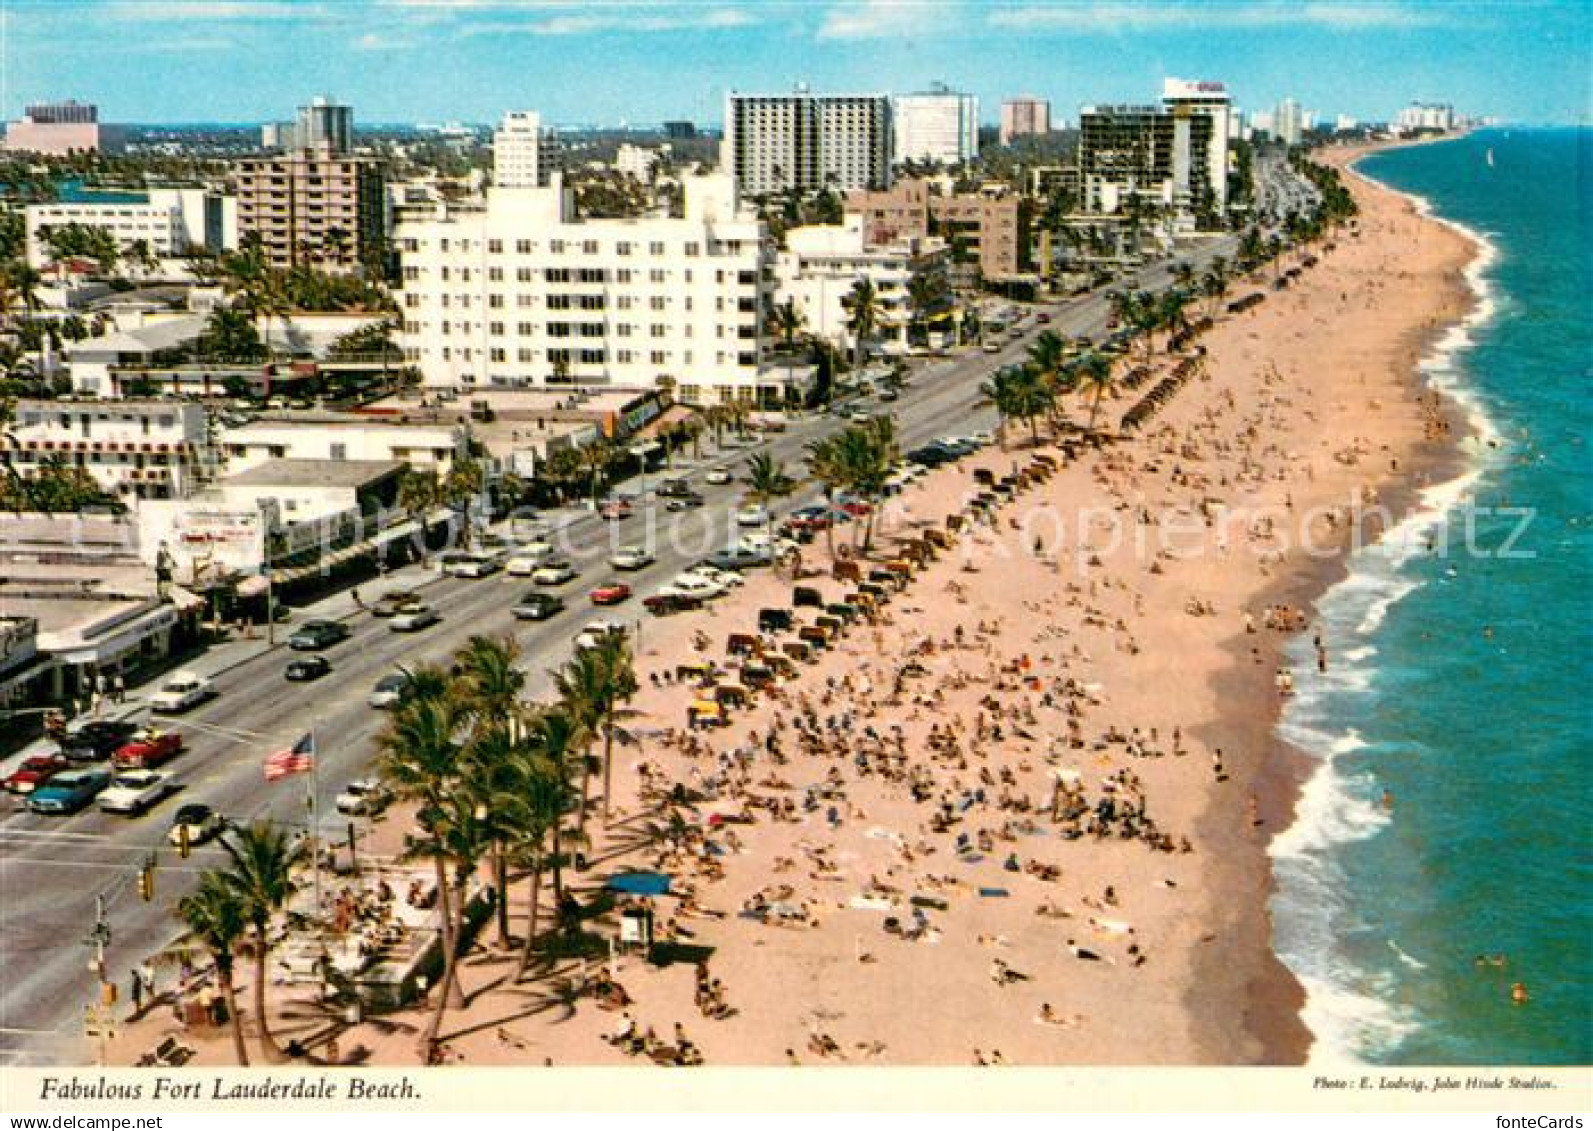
314, 473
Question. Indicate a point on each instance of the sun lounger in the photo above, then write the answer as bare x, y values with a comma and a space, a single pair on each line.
994, 893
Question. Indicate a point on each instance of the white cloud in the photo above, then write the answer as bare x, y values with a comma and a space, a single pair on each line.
885, 19
376, 41
203, 11
1132, 17
634, 19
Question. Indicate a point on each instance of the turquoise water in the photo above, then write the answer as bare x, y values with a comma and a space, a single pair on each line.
1461, 681
73, 191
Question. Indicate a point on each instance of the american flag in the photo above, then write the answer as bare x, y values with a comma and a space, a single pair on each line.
296, 759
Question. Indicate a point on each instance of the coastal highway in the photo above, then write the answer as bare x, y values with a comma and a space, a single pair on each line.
52, 868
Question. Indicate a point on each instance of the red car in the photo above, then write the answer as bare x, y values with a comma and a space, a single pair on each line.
35, 772
857, 508
610, 594
148, 750
616, 508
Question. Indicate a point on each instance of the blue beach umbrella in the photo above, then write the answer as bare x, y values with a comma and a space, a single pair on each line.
639, 883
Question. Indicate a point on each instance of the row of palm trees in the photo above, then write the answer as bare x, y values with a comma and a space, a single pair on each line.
1034, 390
493, 780
857, 461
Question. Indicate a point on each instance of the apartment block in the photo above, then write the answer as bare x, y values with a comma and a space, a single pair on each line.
60, 128
779, 142
143, 449
1148, 154
313, 206
989, 227
938, 127
521, 292
170, 222
1024, 116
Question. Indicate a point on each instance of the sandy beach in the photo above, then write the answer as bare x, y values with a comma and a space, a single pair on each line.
1059, 737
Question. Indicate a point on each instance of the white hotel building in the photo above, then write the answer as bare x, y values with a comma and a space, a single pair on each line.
520, 292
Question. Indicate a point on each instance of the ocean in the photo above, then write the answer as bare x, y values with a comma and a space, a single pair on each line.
1449, 810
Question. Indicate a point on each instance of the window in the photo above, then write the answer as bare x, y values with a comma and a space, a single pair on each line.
527, 355
495, 302
556, 247
623, 247
495, 274
622, 275
694, 248
655, 248
495, 329
494, 247
522, 274
559, 329
657, 302
660, 357
656, 275
591, 329
558, 302
500, 355
622, 330
523, 247
591, 275
659, 330
592, 302
623, 302
525, 329
593, 357
558, 274
588, 247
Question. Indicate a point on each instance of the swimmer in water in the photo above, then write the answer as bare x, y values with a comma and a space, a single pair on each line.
1518, 993
1388, 799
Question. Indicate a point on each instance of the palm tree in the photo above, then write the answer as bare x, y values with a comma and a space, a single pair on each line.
488, 688
460, 487
786, 320
560, 739
418, 757
591, 687
453, 832
862, 316
767, 481
825, 465
1094, 373
1019, 393
213, 915
263, 858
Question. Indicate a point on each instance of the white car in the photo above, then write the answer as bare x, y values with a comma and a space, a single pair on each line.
631, 557
388, 691
693, 585
552, 573
753, 515
413, 618
594, 632
362, 798
134, 791
182, 691
524, 561
760, 543
728, 578
718, 476
469, 563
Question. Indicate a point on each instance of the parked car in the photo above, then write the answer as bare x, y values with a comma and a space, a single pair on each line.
719, 476
363, 798
34, 772
313, 635
696, 585
631, 557
201, 821
96, 739
553, 573
663, 603
740, 557
674, 489
537, 606
413, 618
132, 792
388, 604
181, 692
752, 515
307, 669
388, 691
729, 578
610, 593
69, 791
615, 508
689, 501
148, 749
593, 633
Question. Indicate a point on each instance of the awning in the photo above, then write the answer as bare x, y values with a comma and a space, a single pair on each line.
254, 585
640, 883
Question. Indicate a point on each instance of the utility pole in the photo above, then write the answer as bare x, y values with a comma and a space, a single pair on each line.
97, 1016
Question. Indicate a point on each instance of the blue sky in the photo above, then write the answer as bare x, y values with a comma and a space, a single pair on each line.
612, 61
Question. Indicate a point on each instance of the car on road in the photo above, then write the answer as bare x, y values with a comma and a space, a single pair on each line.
363, 798
555, 572
133, 792
388, 604
858, 415
675, 488
852, 505
616, 508
719, 476
69, 791
992, 347
96, 739
307, 669
729, 578
148, 749
689, 501
631, 557
537, 606
388, 691
181, 692
469, 563
413, 618
313, 635
201, 822
739, 558
34, 772
760, 543
610, 593
524, 561
752, 515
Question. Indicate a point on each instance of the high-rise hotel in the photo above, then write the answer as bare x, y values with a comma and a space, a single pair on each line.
779, 142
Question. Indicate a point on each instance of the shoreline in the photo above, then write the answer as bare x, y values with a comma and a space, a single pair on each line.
1064, 619
1275, 998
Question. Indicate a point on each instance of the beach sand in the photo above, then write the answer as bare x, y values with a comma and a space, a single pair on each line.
1100, 611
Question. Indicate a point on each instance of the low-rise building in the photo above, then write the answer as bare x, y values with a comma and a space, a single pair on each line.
61, 128
151, 449
400, 435
822, 264
168, 222
989, 227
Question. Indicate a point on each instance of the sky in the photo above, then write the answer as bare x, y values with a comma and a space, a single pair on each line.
613, 62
